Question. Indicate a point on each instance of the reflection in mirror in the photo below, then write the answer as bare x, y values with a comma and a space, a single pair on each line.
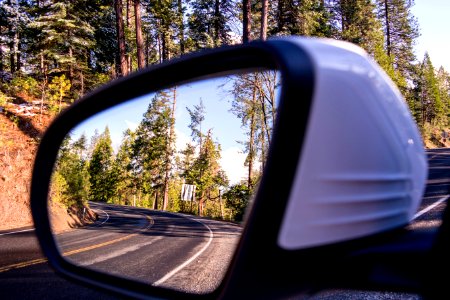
155, 189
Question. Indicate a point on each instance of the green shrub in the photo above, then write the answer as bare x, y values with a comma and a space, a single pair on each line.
26, 84
4, 99
99, 79
237, 199
58, 90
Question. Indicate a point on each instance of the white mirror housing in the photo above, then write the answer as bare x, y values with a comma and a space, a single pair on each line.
363, 168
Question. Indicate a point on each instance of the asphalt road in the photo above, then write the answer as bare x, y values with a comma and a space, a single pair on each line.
179, 251
154, 247
172, 250
428, 217
437, 191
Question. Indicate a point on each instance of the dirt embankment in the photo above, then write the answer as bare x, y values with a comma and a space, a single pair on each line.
438, 139
63, 219
20, 133
21, 127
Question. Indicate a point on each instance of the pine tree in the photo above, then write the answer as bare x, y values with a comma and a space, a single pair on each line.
105, 49
208, 23
164, 16
237, 199
151, 146
400, 29
255, 104
63, 38
307, 17
127, 185
200, 165
443, 78
197, 115
205, 172
359, 24
70, 183
102, 179
14, 18
264, 19
122, 63
427, 95
80, 146
246, 21
139, 39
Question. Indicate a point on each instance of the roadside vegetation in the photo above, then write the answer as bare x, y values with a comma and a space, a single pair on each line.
54, 52
147, 170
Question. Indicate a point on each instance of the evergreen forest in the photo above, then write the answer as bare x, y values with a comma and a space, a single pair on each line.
54, 52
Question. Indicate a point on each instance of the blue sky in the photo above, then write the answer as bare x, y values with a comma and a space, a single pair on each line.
434, 23
226, 127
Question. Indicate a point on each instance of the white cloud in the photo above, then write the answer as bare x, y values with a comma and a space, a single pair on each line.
182, 140
131, 125
232, 162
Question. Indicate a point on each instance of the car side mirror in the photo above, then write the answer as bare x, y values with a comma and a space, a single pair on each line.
340, 160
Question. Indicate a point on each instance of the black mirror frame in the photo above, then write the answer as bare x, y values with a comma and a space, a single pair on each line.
293, 110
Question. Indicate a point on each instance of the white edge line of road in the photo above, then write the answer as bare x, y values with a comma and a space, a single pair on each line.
428, 208
107, 216
13, 232
32, 229
187, 262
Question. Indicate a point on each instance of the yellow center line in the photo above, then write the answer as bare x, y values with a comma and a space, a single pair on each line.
22, 264
96, 246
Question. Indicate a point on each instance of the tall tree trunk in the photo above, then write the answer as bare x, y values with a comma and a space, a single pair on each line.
273, 96
82, 83
201, 203
165, 45
160, 38
120, 39
263, 150
216, 23
264, 13
12, 60
181, 26
44, 86
265, 125
343, 10
246, 20
18, 56
147, 49
155, 203
41, 56
169, 151
251, 152
222, 215
388, 28
128, 15
280, 15
1, 56
70, 65
129, 63
139, 39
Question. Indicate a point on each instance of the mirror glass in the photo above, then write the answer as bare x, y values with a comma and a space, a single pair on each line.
156, 189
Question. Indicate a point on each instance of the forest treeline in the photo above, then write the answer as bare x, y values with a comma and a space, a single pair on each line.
148, 170
56, 51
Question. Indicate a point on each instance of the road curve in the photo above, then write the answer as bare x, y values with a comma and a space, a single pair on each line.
172, 250
38, 281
